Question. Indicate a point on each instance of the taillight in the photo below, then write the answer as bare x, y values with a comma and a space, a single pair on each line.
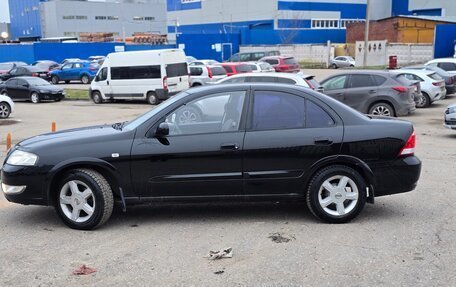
209, 71
93, 69
165, 83
409, 147
436, 83
400, 89
34, 75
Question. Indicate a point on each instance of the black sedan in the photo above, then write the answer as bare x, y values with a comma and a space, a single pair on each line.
21, 71
231, 142
31, 89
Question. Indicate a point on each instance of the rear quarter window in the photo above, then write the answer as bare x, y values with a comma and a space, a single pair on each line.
196, 71
290, 61
176, 70
379, 80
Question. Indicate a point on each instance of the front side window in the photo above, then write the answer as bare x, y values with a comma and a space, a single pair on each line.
277, 110
210, 114
103, 75
335, 83
245, 57
67, 66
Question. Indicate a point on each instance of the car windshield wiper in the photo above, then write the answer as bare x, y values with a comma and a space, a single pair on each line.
119, 126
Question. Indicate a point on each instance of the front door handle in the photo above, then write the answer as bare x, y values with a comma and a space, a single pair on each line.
372, 91
229, 146
323, 141
107, 83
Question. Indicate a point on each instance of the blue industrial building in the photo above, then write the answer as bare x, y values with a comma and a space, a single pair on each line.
25, 18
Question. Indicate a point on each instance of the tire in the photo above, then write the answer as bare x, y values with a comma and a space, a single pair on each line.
152, 98
35, 97
85, 79
55, 80
337, 205
351, 66
87, 192
5, 110
189, 114
382, 109
424, 101
96, 97
333, 66
57, 100
67, 82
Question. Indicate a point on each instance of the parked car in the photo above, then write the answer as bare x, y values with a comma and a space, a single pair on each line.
291, 144
69, 60
252, 56
204, 63
261, 67
342, 62
298, 79
46, 65
450, 80
8, 66
96, 58
447, 64
282, 63
202, 75
83, 71
151, 75
450, 117
6, 106
190, 59
236, 68
432, 85
20, 71
31, 89
372, 92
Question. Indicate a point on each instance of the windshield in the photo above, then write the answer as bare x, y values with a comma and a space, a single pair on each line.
6, 67
144, 117
38, 82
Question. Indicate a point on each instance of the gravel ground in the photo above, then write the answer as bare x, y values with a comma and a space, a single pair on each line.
402, 240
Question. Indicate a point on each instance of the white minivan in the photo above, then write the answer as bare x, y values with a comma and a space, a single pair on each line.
151, 75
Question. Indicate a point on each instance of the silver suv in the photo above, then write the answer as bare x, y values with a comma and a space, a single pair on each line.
202, 75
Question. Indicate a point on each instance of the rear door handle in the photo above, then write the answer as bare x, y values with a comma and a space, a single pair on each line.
323, 141
229, 146
372, 91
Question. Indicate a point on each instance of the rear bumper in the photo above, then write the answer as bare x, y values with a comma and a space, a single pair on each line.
406, 110
400, 176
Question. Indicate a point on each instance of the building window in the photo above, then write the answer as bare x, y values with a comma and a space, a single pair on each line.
100, 17
113, 17
138, 18
149, 18
68, 17
344, 22
69, 34
325, 23
72, 17
81, 17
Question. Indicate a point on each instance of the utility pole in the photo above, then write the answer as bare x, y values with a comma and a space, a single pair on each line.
366, 33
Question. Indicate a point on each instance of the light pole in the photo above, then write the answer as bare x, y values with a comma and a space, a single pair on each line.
366, 34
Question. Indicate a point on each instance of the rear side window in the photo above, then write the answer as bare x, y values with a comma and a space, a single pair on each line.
176, 70
317, 117
379, 80
243, 68
271, 61
234, 58
290, 61
360, 81
228, 69
447, 66
286, 81
196, 71
136, 72
253, 67
218, 71
262, 79
277, 110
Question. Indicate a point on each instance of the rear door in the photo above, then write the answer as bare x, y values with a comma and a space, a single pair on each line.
11, 89
22, 90
286, 134
177, 77
359, 89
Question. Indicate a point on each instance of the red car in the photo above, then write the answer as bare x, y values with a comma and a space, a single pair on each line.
236, 68
282, 63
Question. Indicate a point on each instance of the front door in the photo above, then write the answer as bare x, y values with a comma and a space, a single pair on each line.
286, 134
12, 89
102, 82
201, 156
335, 87
22, 90
65, 73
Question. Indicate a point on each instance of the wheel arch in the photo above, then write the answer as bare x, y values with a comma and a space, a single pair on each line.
104, 168
357, 164
385, 100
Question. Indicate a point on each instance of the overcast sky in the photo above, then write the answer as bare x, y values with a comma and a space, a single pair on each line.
4, 11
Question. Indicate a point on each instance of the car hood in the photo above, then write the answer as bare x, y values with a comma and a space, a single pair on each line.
67, 137
49, 88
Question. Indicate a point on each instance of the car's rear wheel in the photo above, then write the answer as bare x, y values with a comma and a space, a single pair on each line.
424, 101
96, 97
5, 110
333, 66
67, 82
85, 79
382, 109
336, 194
55, 80
152, 98
35, 98
84, 199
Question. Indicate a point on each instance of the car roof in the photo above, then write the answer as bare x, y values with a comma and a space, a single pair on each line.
234, 63
364, 72
453, 60
271, 74
413, 71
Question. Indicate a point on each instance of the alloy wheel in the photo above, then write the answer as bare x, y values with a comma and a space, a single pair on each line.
35, 98
381, 111
77, 201
4, 111
338, 195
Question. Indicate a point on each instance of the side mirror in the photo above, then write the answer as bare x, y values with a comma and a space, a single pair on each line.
162, 130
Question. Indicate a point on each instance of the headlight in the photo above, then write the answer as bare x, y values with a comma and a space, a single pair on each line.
451, 110
24, 158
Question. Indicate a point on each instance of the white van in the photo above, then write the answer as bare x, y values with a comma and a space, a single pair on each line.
152, 75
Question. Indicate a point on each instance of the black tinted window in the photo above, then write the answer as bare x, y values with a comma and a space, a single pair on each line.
379, 80
447, 66
359, 81
218, 71
262, 79
317, 117
277, 110
196, 71
286, 81
103, 75
228, 69
243, 68
290, 61
272, 62
137, 72
176, 70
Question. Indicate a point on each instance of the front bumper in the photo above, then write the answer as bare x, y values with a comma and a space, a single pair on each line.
51, 96
395, 177
450, 121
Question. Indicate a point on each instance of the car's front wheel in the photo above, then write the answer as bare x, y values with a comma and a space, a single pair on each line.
84, 199
5, 110
55, 80
336, 194
152, 98
85, 79
35, 98
96, 97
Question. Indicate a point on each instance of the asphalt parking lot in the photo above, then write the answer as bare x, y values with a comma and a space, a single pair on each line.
402, 240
